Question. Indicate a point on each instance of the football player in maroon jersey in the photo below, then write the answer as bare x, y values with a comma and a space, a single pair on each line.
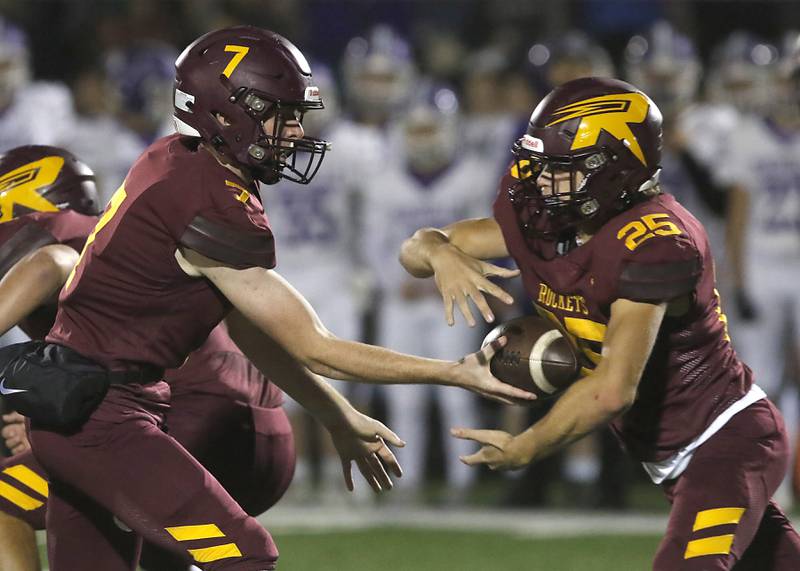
222, 410
581, 212
182, 243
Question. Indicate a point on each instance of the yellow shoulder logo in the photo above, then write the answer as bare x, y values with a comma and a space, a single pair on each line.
244, 194
19, 187
610, 113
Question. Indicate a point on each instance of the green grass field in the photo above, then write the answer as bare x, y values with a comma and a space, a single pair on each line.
404, 549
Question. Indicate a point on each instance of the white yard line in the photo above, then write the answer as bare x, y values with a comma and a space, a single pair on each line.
300, 519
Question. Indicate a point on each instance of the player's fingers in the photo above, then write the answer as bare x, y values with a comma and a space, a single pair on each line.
347, 469
490, 349
387, 434
481, 436
474, 459
447, 299
379, 471
19, 449
480, 302
13, 418
13, 440
503, 390
496, 291
500, 272
390, 461
7, 431
366, 471
463, 306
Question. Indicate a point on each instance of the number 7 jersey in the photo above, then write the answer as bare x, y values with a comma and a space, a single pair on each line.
654, 252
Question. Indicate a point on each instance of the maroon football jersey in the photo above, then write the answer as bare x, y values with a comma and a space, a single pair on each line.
218, 367
655, 251
128, 301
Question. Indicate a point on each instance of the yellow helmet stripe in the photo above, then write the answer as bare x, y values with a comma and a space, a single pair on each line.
610, 113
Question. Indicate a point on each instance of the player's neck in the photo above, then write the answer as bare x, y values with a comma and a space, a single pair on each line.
241, 173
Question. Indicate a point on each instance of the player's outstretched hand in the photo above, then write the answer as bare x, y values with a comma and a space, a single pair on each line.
499, 450
13, 433
473, 373
460, 278
363, 440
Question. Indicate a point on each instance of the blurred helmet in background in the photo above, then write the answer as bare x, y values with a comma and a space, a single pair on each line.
229, 82
317, 122
743, 72
14, 61
430, 128
601, 135
38, 178
143, 76
570, 56
663, 63
378, 72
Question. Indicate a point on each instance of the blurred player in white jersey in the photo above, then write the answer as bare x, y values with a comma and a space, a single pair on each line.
95, 125
664, 64
316, 228
762, 167
31, 112
430, 181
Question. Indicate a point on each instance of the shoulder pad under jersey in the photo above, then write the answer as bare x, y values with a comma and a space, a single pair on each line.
230, 244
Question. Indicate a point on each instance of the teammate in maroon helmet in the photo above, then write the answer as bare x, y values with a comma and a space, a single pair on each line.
183, 244
222, 410
627, 273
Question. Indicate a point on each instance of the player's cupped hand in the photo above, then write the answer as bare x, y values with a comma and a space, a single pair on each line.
364, 440
473, 373
461, 278
499, 450
13, 433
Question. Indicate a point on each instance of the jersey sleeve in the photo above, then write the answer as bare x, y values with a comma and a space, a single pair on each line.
659, 268
209, 210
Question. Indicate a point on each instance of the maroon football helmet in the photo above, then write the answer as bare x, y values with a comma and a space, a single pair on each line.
36, 178
607, 131
245, 75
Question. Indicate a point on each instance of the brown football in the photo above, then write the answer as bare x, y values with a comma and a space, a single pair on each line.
537, 357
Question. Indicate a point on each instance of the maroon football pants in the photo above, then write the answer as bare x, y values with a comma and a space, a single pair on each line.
722, 517
121, 462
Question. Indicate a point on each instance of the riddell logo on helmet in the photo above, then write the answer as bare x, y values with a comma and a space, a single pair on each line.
532, 144
312, 93
609, 113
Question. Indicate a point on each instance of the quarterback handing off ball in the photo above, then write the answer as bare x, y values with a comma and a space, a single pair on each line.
537, 357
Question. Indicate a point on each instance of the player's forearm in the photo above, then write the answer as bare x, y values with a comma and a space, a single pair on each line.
350, 360
416, 252
33, 281
307, 388
585, 406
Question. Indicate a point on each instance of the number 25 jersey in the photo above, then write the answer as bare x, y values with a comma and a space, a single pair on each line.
654, 252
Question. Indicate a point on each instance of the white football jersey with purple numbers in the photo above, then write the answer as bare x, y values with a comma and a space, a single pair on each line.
40, 114
314, 225
402, 203
765, 161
